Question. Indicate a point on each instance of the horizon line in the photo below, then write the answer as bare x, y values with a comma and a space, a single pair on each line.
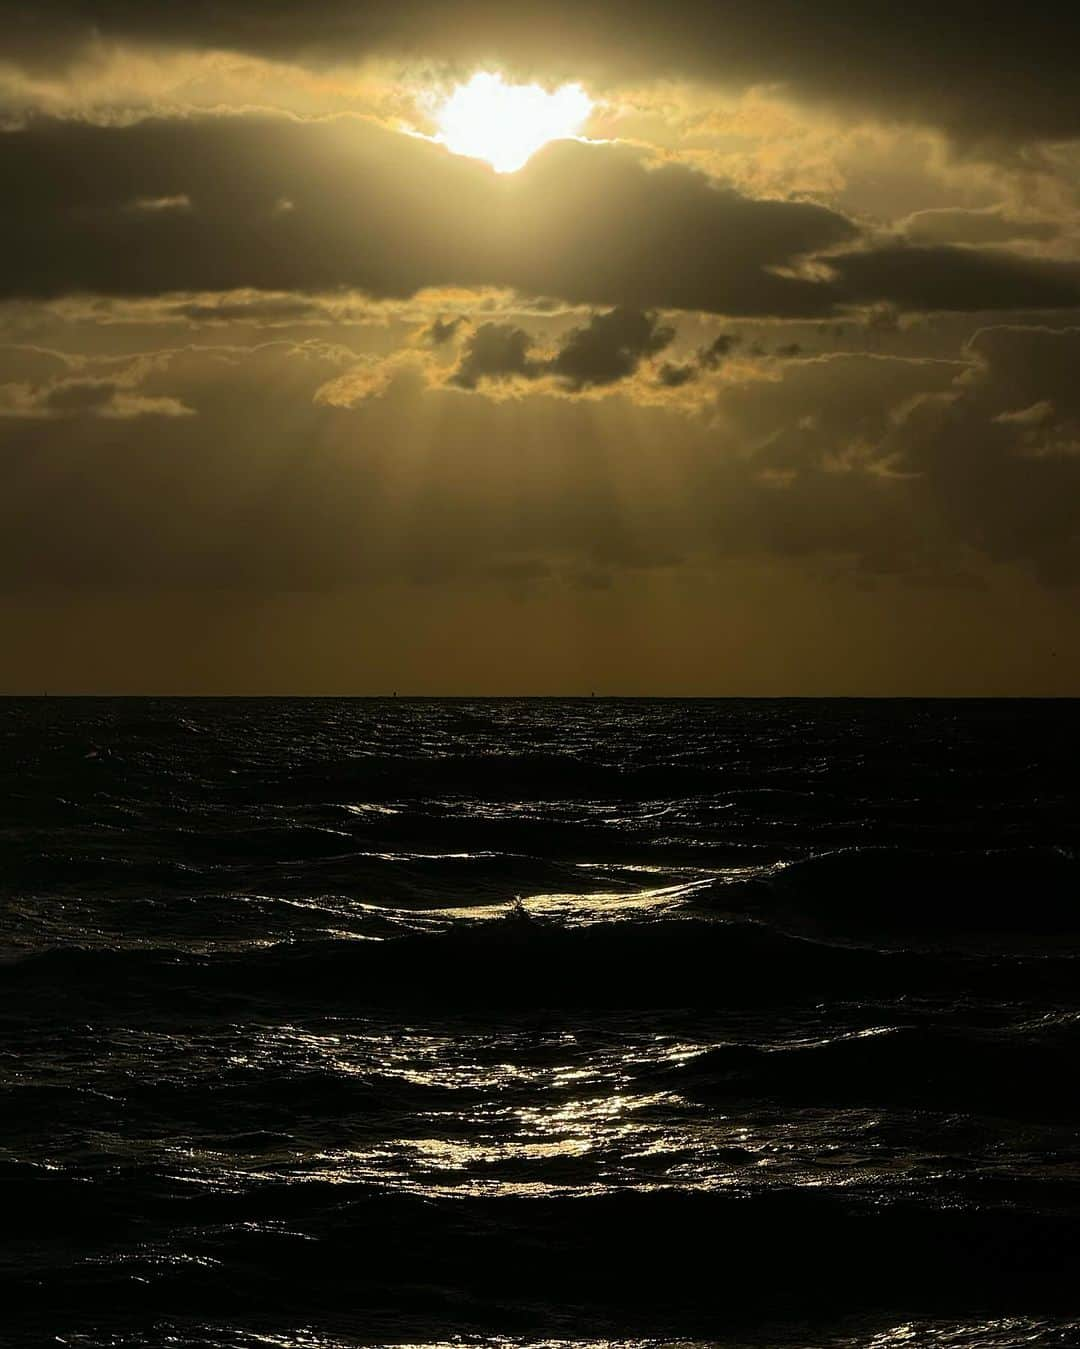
46, 696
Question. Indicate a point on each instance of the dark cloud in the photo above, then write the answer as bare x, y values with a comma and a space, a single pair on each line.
587, 224
718, 350
607, 349
1020, 364
980, 70
496, 351
909, 277
595, 224
880, 320
441, 331
258, 309
38, 385
676, 374
950, 225
30, 364
998, 458
809, 411
79, 395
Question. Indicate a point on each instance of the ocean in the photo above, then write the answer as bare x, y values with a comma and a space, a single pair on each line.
343, 1022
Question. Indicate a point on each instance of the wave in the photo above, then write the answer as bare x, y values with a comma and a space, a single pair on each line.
866, 1332
700, 1263
899, 895
287, 862
521, 961
277, 1061
1012, 1074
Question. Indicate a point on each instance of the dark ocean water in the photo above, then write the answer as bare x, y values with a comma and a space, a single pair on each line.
335, 1022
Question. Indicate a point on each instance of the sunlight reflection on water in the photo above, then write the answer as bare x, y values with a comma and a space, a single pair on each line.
1001, 1333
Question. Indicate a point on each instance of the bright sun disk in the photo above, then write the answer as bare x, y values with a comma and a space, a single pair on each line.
507, 123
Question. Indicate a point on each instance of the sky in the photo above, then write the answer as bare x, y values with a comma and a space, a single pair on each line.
759, 377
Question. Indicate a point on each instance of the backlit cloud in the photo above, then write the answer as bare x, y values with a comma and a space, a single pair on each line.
789, 330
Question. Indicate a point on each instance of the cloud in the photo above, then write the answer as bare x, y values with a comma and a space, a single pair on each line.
880, 465
84, 398
1036, 415
605, 351
23, 363
980, 73
389, 215
369, 379
262, 310
41, 385
270, 486
609, 348
718, 350
990, 225
392, 216
495, 351
677, 374
674, 374
960, 279
440, 331
998, 456
177, 203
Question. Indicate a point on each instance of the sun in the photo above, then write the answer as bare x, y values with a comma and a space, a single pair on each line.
507, 123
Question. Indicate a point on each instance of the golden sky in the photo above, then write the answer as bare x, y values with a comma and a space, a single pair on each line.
696, 348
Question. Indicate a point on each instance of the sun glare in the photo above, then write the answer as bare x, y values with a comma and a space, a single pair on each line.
507, 123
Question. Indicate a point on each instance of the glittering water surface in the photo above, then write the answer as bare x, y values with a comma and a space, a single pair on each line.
330, 1023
